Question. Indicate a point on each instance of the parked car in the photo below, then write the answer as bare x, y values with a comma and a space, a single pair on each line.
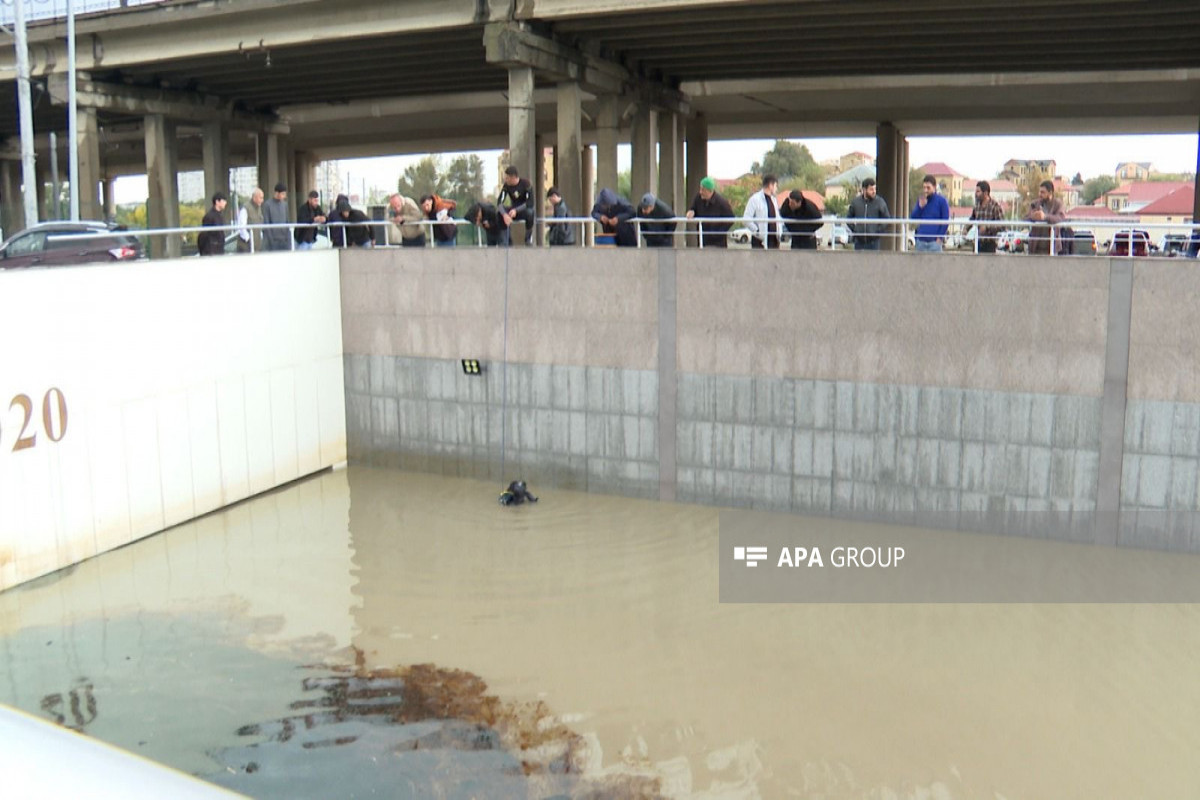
1173, 244
740, 236
1121, 243
1085, 243
839, 235
1012, 240
53, 244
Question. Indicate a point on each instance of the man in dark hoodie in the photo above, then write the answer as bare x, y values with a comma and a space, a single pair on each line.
800, 212
708, 204
656, 234
614, 213
487, 217
349, 235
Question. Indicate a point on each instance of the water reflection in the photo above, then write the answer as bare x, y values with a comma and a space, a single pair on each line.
376, 632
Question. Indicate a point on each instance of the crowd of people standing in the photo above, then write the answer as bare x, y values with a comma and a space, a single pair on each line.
770, 221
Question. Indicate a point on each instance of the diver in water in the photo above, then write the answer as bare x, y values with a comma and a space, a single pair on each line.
516, 493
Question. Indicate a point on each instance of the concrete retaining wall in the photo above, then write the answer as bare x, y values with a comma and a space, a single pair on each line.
984, 393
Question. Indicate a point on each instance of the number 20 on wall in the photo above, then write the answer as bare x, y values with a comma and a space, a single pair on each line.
54, 418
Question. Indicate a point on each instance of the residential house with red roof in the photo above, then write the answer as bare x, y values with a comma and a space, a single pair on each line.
949, 180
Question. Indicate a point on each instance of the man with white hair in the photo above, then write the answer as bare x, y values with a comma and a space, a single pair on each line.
250, 240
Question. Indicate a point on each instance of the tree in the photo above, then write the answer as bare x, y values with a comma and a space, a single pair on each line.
1028, 189
424, 177
791, 162
1095, 188
465, 179
837, 205
738, 192
625, 186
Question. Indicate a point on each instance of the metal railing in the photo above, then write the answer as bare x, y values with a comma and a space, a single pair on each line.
1132, 240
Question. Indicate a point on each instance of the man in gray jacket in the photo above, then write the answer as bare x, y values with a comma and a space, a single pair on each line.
275, 212
867, 205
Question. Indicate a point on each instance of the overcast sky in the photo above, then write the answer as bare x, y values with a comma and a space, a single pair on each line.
974, 156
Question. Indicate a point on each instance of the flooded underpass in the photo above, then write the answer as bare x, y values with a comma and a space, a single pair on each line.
375, 633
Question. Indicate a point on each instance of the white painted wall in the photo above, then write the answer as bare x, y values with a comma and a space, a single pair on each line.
189, 385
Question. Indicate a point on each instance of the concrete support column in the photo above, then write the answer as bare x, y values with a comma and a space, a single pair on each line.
215, 147
538, 179
644, 135
669, 159
297, 194
887, 168
589, 194
87, 133
680, 188
305, 178
13, 217
1196, 198
568, 165
108, 198
42, 176
162, 155
522, 120
608, 131
697, 155
271, 167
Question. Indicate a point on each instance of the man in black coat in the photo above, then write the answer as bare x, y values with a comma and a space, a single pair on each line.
486, 216
309, 216
707, 204
656, 234
349, 235
799, 211
212, 243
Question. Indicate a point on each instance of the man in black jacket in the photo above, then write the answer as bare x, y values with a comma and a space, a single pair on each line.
486, 216
515, 202
309, 216
708, 204
656, 234
212, 243
799, 212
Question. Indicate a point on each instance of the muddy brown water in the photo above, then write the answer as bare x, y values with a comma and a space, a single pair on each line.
374, 633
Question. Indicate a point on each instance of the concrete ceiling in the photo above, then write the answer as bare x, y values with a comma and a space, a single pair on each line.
368, 76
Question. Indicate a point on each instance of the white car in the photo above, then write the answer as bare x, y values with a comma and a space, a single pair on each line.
740, 236
839, 234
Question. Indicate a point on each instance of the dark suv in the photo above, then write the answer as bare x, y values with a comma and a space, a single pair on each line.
53, 244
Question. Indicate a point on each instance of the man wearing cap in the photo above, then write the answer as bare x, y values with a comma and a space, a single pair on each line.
708, 204
309, 216
762, 215
275, 212
212, 243
801, 211
659, 233
868, 205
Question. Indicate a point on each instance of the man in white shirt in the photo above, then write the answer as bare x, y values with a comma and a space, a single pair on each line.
762, 215
251, 214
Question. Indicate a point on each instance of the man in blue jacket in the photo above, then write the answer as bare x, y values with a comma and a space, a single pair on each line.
930, 206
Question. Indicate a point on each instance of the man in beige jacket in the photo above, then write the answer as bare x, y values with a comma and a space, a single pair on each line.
406, 217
